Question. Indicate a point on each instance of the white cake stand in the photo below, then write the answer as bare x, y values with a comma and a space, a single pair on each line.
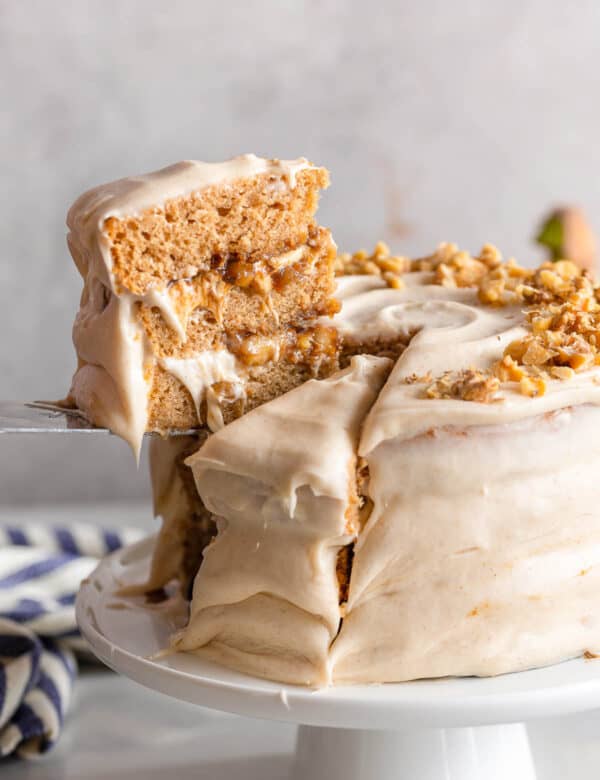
450, 729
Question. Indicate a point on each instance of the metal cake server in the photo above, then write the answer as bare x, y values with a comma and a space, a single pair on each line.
39, 417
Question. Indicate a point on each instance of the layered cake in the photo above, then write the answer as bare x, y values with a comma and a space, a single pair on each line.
428, 513
400, 488
202, 286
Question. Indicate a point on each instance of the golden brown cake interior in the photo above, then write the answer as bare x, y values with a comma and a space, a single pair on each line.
171, 404
249, 219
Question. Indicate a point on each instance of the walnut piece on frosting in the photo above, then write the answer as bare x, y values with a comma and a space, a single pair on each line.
562, 310
418, 379
442, 255
452, 266
511, 283
380, 263
468, 384
564, 321
460, 269
503, 284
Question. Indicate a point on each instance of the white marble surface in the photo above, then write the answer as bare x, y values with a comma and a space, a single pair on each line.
118, 729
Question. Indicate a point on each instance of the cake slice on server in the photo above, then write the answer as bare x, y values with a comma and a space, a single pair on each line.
202, 286
281, 482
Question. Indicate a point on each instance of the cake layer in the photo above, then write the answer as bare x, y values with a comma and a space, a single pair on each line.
174, 223
216, 386
297, 289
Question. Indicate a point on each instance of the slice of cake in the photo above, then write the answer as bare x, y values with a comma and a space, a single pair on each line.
202, 286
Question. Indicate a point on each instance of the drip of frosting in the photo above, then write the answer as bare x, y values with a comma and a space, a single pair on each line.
285, 513
200, 372
114, 354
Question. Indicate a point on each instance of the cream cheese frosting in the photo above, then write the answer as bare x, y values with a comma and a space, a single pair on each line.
481, 555
278, 480
115, 356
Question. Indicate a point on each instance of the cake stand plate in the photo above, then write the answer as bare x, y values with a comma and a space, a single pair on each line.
449, 729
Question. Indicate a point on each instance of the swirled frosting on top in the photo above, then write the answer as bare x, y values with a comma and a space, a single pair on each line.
448, 329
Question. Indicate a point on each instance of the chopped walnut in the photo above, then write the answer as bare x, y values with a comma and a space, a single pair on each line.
562, 313
463, 270
451, 266
393, 281
257, 350
510, 283
508, 370
465, 385
562, 372
503, 284
564, 337
442, 255
532, 385
414, 379
380, 263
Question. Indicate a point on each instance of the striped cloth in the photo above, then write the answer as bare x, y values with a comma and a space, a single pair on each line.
40, 571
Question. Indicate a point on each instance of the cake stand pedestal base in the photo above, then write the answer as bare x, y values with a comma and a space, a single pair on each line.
490, 752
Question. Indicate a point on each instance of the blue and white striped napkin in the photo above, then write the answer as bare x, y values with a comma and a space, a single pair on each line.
41, 568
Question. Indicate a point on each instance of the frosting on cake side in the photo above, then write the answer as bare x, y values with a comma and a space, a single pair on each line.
266, 595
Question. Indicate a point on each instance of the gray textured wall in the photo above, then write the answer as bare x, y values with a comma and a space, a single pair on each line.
438, 120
